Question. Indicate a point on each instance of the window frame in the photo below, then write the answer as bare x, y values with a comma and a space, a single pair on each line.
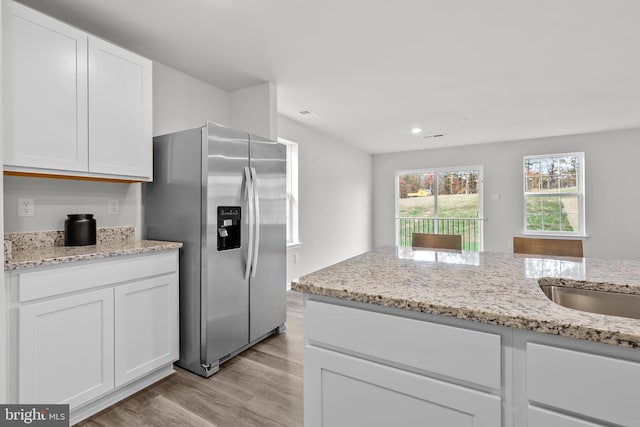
580, 194
437, 171
292, 201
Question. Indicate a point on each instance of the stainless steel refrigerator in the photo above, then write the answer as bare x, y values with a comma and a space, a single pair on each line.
222, 192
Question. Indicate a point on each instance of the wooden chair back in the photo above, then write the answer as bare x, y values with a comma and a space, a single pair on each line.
436, 241
559, 247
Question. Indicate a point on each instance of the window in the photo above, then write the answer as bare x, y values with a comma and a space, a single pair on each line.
292, 192
554, 194
440, 201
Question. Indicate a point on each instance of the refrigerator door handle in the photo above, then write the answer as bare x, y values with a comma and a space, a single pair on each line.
249, 193
256, 201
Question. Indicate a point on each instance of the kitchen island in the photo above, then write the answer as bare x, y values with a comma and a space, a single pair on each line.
396, 336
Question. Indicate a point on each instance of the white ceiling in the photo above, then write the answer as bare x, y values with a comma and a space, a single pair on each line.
475, 71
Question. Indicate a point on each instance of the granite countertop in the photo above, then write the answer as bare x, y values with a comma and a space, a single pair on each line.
37, 249
487, 287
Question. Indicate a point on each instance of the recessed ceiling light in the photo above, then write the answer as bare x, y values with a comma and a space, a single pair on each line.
416, 131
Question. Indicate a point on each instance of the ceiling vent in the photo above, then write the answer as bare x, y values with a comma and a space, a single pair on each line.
433, 136
309, 113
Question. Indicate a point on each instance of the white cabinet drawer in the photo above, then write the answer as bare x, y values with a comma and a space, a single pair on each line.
580, 383
71, 278
341, 390
445, 350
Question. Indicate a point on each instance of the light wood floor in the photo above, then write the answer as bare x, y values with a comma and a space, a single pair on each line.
262, 386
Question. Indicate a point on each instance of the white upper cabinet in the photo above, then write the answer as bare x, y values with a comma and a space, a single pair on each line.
45, 91
120, 114
73, 104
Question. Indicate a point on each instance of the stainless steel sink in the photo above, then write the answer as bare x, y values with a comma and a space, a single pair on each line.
612, 303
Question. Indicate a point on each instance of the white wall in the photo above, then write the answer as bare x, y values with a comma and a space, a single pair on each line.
184, 102
179, 102
334, 194
612, 207
55, 198
255, 109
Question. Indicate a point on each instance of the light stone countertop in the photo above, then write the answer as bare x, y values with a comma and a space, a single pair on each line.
37, 249
487, 287
63, 254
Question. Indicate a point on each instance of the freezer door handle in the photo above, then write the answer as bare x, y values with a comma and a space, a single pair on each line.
256, 201
249, 193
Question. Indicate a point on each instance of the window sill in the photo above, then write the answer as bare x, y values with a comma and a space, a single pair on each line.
294, 245
554, 235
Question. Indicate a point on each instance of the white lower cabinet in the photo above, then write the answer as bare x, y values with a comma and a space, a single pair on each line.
347, 391
88, 334
146, 327
366, 365
66, 349
364, 368
593, 386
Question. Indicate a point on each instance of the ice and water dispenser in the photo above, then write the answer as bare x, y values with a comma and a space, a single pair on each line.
228, 227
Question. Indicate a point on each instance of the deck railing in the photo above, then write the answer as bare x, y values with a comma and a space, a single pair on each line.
469, 228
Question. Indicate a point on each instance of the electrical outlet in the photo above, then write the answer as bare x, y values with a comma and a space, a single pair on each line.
113, 207
26, 206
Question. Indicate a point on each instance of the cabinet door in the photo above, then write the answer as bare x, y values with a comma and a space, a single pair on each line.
539, 417
66, 349
341, 390
45, 91
120, 118
579, 382
146, 319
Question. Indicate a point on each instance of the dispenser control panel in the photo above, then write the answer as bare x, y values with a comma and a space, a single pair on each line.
229, 227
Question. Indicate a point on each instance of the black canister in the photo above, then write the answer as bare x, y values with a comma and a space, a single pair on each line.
79, 230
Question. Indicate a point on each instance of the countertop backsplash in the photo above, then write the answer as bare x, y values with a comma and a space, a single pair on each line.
36, 240
44, 239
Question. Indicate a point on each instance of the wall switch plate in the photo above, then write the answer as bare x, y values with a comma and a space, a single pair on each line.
26, 206
295, 258
113, 207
